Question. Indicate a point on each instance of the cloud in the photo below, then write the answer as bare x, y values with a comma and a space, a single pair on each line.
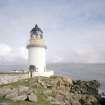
12, 56
81, 55
4, 50
55, 59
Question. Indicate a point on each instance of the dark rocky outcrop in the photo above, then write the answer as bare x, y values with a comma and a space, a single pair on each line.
102, 101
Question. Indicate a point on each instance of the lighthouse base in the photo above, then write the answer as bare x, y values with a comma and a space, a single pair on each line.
44, 74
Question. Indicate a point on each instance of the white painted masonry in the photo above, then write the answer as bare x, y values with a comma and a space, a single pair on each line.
37, 58
37, 54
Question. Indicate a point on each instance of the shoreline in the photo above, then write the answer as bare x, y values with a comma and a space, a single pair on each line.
9, 77
57, 89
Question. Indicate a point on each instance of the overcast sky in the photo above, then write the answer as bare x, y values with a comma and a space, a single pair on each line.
74, 30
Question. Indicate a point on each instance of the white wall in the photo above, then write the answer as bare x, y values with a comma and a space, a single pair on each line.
37, 57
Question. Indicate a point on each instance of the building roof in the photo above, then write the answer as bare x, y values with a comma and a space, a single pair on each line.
36, 30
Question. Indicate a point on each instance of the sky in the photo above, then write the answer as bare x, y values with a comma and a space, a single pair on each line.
74, 30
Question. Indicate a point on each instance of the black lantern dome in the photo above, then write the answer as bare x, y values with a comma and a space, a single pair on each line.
36, 31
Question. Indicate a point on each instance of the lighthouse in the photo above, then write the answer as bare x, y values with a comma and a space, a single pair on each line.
37, 54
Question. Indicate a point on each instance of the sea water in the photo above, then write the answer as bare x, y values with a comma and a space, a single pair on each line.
81, 72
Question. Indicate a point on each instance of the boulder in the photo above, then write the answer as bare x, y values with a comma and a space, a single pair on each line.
85, 87
60, 98
32, 97
47, 92
23, 90
20, 98
11, 95
89, 100
64, 82
5, 90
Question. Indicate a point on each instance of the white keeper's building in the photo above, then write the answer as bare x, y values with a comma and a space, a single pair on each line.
37, 54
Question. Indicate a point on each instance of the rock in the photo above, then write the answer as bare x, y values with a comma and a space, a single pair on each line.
23, 90
32, 97
5, 90
47, 92
8, 92
60, 98
89, 99
50, 99
64, 82
4, 103
49, 86
11, 95
68, 80
21, 93
15, 92
56, 90
71, 97
75, 102
20, 98
85, 87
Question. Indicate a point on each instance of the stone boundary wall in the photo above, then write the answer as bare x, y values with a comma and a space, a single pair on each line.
8, 78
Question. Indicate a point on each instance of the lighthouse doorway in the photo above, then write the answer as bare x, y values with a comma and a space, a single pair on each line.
32, 68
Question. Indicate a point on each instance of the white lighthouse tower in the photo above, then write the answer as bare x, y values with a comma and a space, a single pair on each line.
37, 54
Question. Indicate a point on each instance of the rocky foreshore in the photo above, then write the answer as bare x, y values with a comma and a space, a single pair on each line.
55, 90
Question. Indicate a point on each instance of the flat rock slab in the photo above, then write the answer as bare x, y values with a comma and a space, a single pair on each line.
32, 97
19, 98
